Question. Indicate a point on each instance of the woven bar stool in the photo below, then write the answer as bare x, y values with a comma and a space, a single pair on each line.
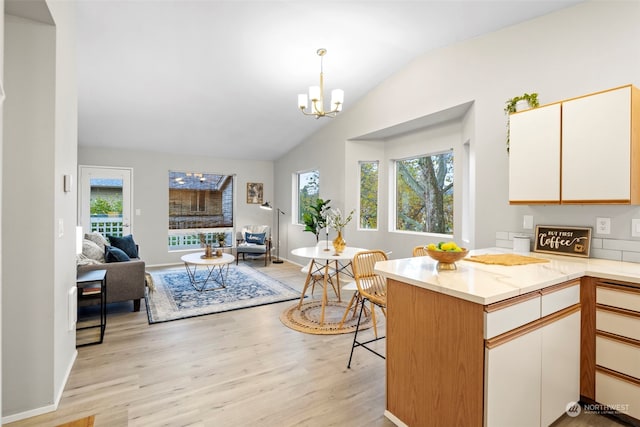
373, 288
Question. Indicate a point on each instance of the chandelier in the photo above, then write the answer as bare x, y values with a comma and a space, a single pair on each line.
316, 94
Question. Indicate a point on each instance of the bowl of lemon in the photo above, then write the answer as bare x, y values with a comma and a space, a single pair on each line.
446, 253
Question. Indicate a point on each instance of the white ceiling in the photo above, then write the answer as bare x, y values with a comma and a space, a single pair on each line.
221, 78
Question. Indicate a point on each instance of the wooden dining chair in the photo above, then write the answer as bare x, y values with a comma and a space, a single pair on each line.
315, 274
420, 251
372, 287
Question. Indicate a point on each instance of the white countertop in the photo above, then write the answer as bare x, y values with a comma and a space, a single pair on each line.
486, 284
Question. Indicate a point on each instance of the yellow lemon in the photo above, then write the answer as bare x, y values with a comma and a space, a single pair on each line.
447, 246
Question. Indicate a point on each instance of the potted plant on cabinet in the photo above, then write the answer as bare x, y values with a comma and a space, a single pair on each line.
519, 103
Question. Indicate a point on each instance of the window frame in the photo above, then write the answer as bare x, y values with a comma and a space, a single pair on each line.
188, 239
297, 218
393, 185
359, 223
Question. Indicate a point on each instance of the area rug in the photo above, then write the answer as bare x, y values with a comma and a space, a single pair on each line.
307, 318
174, 297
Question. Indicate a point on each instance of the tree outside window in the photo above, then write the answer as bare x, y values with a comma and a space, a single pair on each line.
424, 193
308, 192
368, 195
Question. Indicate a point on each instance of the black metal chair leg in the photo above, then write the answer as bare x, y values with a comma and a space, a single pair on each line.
355, 336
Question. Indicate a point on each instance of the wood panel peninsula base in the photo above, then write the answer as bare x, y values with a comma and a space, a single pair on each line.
435, 358
504, 346
463, 363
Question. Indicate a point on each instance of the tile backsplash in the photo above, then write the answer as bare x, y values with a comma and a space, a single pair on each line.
614, 249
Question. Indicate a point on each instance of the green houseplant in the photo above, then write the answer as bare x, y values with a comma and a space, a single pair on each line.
510, 108
220, 238
315, 219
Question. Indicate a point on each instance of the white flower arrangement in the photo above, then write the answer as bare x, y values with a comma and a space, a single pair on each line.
336, 220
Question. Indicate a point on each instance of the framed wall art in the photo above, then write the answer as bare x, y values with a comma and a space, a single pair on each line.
254, 192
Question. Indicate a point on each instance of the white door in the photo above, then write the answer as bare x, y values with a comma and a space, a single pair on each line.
560, 367
105, 200
512, 382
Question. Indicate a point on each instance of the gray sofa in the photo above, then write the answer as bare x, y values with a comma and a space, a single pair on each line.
125, 281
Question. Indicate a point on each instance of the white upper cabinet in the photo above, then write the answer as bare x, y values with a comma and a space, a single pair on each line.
534, 156
596, 148
584, 150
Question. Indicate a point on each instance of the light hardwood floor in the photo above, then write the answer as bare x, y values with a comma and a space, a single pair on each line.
241, 368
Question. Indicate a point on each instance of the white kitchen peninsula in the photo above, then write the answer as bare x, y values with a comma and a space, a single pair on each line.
495, 345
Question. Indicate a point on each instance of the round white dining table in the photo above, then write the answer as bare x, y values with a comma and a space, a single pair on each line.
331, 262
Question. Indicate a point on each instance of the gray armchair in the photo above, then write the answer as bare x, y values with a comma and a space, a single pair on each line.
254, 240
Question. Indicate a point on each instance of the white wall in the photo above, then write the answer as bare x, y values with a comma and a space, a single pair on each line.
65, 203
28, 214
575, 51
151, 194
38, 218
1, 149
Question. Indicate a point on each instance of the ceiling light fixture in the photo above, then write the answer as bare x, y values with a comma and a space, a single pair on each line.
316, 94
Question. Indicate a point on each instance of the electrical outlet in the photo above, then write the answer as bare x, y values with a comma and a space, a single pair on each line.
527, 222
603, 225
635, 227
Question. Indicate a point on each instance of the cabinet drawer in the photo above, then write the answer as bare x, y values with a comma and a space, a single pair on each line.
619, 394
556, 300
618, 323
618, 356
497, 322
621, 298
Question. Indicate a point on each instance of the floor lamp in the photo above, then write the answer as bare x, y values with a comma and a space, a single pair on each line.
267, 205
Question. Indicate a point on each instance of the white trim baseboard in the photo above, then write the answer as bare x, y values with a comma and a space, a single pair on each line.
394, 419
44, 409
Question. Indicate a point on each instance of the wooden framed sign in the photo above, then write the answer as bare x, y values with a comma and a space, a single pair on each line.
572, 241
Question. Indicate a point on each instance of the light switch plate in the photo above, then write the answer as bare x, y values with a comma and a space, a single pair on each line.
527, 222
635, 227
603, 225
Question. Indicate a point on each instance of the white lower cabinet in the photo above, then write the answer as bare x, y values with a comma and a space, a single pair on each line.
617, 349
512, 382
530, 379
618, 355
621, 395
560, 367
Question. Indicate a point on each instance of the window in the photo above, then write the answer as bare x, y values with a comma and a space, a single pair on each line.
199, 203
368, 195
424, 193
308, 185
106, 206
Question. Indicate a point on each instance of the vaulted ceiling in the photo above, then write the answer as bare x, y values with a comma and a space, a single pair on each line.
213, 77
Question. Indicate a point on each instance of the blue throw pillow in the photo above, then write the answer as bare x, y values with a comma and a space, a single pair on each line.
115, 254
257, 238
126, 244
